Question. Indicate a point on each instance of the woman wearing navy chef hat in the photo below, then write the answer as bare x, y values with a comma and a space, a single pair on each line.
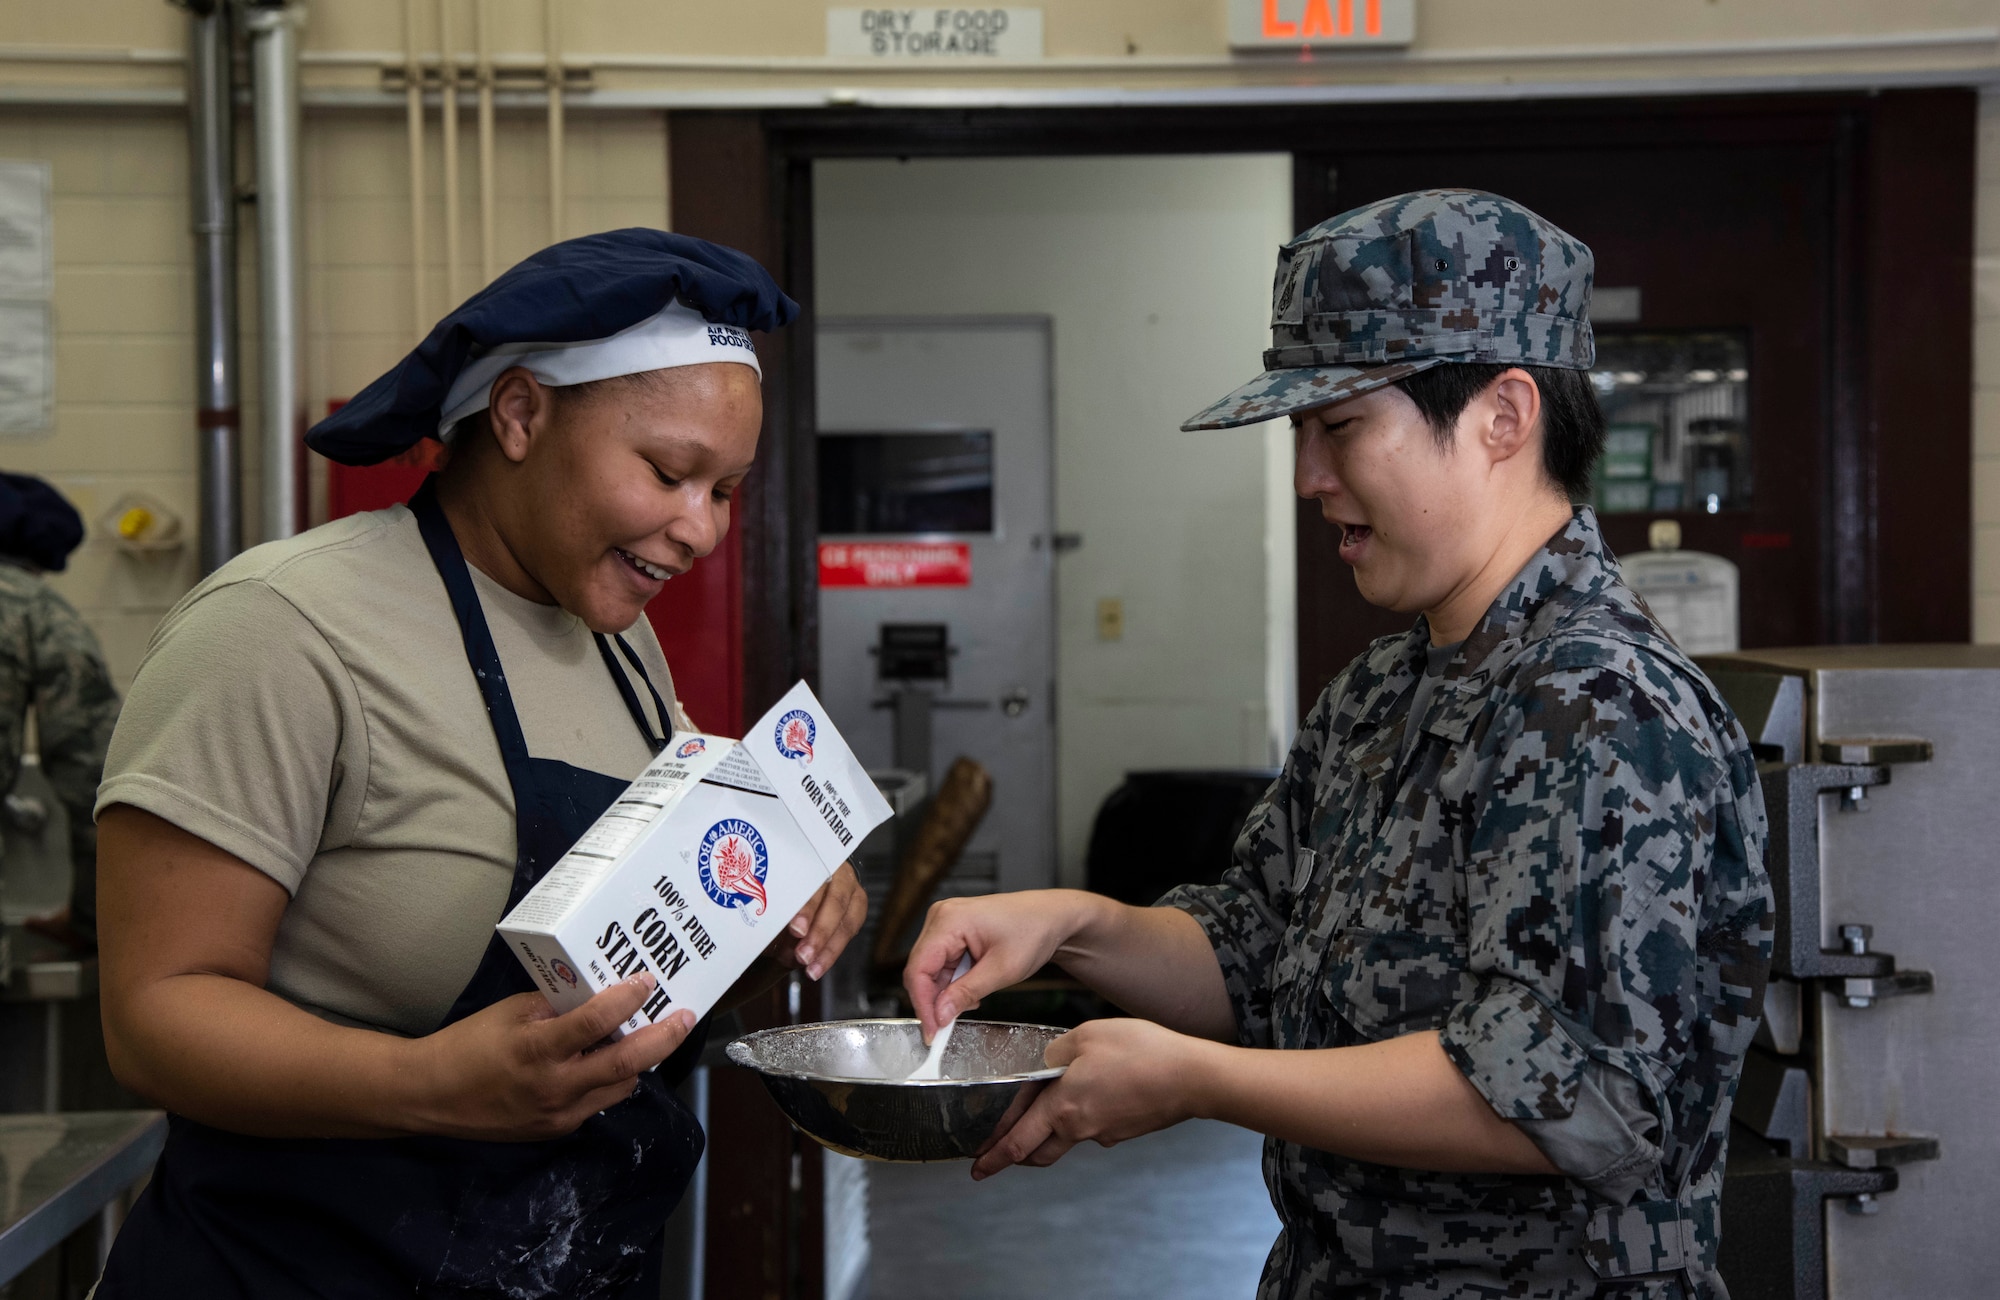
348, 753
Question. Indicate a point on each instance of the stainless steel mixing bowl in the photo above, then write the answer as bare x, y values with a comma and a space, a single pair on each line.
842, 1084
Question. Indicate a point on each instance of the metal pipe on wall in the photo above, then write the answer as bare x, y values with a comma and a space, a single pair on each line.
555, 71
413, 105
212, 155
487, 246
274, 72
448, 66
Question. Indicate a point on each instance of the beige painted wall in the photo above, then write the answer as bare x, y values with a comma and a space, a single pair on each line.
124, 311
124, 367
697, 45
122, 285
1156, 272
359, 293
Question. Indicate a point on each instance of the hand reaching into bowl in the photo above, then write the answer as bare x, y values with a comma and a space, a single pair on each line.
1009, 936
1402, 1101
1152, 961
1125, 1077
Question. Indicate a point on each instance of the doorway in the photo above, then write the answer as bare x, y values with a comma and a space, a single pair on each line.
1880, 484
1152, 273
1859, 456
1739, 253
936, 570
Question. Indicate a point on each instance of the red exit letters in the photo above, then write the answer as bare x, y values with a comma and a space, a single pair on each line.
1322, 18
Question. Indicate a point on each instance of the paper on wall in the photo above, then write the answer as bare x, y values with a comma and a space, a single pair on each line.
27, 284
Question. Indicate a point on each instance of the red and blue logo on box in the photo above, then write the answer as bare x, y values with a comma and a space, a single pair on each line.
796, 732
733, 865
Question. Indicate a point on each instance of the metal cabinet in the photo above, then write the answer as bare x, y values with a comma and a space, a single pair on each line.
1860, 1156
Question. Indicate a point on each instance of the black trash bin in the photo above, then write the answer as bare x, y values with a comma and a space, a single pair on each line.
1167, 828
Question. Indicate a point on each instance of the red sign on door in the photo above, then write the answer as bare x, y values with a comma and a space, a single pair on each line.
895, 564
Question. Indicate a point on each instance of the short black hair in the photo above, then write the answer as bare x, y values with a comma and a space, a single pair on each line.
1572, 421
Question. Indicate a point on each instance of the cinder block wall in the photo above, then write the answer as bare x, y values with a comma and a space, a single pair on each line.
359, 294
124, 365
124, 299
123, 314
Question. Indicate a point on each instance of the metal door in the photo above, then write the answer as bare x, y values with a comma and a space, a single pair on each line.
935, 448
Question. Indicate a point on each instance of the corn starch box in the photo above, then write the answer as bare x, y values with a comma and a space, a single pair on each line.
699, 865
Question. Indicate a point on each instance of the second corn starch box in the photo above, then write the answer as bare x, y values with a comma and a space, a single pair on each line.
699, 865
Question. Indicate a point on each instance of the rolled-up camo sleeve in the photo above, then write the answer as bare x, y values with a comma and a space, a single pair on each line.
1583, 899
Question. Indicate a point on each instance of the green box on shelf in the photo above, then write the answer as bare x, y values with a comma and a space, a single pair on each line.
1628, 452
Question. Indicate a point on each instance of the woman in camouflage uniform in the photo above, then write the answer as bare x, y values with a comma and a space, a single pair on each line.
1493, 945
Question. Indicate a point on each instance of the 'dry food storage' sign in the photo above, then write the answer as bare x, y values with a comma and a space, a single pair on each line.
935, 35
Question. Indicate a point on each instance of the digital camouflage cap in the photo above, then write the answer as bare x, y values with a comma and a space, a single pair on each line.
1379, 293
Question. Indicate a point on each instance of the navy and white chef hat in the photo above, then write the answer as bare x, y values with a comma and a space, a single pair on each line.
37, 523
616, 303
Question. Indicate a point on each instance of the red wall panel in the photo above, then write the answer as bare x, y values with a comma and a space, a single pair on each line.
699, 619
350, 489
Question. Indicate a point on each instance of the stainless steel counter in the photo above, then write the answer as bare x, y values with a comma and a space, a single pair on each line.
58, 1171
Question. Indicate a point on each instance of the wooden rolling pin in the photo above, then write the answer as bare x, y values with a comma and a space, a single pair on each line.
962, 800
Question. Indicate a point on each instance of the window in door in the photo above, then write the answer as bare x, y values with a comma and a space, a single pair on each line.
1677, 432
902, 483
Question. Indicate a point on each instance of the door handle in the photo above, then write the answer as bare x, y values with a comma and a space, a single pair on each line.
1014, 703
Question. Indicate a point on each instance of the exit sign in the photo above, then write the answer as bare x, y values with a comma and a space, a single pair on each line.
1329, 24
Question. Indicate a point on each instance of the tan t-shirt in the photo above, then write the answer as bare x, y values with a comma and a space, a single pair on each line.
309, 709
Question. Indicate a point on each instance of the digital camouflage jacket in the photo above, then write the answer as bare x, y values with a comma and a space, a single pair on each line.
50, 659
1565, 881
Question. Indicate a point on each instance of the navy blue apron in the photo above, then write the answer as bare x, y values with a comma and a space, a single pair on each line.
580, 1217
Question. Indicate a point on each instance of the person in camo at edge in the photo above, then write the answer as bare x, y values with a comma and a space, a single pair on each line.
1492, 947
51, 664
347, 754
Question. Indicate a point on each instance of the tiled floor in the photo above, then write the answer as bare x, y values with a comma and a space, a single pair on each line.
1179, 1215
